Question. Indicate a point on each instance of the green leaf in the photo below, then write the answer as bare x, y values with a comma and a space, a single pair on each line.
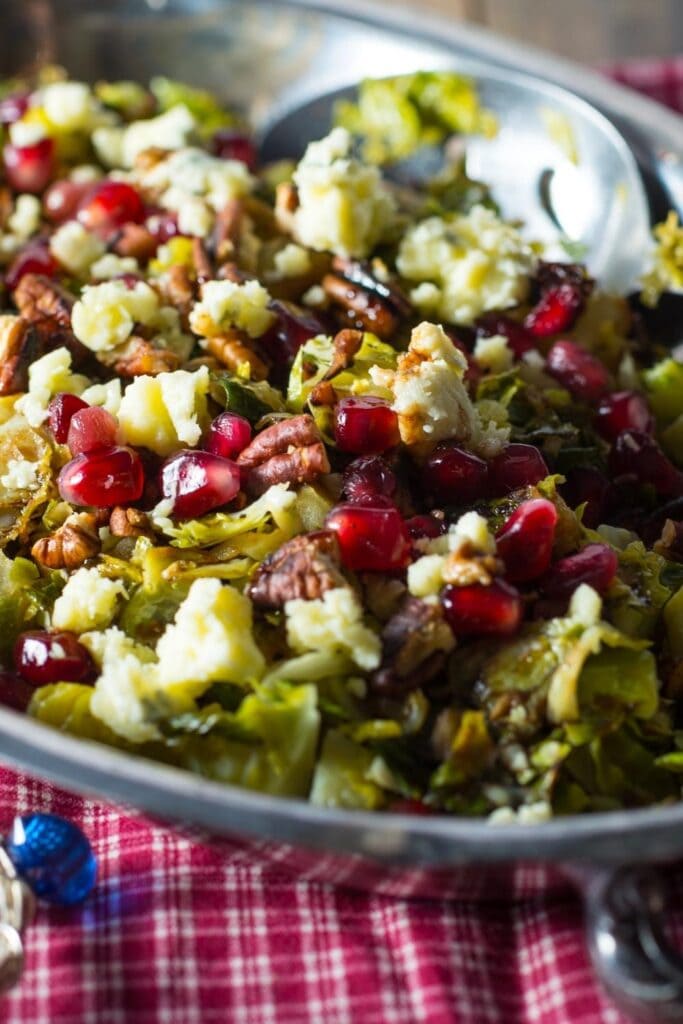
246, 398
203, 105
617, 682
341, 777
315, 357
664, 387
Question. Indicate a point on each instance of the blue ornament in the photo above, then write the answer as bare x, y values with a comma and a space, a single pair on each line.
53, 856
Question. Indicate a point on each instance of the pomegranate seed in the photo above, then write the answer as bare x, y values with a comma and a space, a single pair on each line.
420, 527
293, 327
453, 476
36, 258
42, 658
90, 429
495, 610
60, 412
371, 539
596, 565
368, 478
29, 168
587, 486
525, 541
228, 435
519, 465
555, 311
111, 476
623, 410
62, 199
198, 482
577, 370
13, 107
109, 205
232, 145
637, 454
365, 425
519, 339
15, 692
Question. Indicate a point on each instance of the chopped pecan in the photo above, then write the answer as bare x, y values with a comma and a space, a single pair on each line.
345, 346
140, 357
201, 261
261, 215
39, 299
305, 567
70, 545
300, 466
136, 241
226, 232
19, 346
295, 432
179, 289
323, 393
149, 158
363, 274
128, 522
415, 643
362, 309
6, 206
462, 570
232, 348
286, 203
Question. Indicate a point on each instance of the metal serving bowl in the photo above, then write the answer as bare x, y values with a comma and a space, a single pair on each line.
274, 58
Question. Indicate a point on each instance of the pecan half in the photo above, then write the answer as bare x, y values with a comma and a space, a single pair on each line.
286, 203
6, 206
345, 346
323, 393
179, 289
305, 567
362, 273
136, 241
296, 432
300, 466
39, 299
70, 545
128, 522
226, 232
360, 308
140, 357
19, 346
201, 261
415, 643
232, 348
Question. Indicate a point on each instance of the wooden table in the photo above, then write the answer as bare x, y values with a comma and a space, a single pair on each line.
587, 30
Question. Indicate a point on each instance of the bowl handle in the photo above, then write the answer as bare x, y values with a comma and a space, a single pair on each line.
625, 921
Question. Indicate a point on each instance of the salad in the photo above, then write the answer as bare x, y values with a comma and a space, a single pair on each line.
325, 485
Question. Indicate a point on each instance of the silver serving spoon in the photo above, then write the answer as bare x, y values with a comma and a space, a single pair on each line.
556, 163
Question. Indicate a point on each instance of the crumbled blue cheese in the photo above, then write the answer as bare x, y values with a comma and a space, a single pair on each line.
493, 355
70, 106
333, 623
292, 261
119, 147
128, 676
105, 314
469, 534
210, 640
76, 248
88, 601
165, 412
465, 264
24, 220
21, 475
26, 133
195, 185
110, 265
344, 206
227, 304
47, 377
107, 395
527, 814
430, 398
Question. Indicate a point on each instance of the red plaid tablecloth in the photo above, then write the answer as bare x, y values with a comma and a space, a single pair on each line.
181, 933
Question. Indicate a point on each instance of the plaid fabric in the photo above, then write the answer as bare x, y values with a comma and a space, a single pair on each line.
179, 932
